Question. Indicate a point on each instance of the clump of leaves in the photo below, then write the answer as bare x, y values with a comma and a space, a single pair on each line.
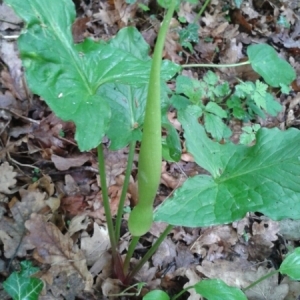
207, 94
252, 99
189, 35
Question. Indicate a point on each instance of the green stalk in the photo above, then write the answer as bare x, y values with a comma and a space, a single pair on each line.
182, 292
132, 245
105, 198
260, 280
150, 157
201, 11
150, 252
124, 189
216, 66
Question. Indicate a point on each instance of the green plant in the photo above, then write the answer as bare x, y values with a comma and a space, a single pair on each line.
110, 87
21, 285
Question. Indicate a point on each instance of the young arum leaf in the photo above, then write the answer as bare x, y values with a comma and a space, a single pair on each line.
214, 289
68, 76
263, 178
20, 286
291, 265
274, 70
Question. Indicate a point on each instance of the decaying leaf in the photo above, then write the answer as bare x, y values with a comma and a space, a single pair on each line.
7, 178
57, 250
94, 247
13, 231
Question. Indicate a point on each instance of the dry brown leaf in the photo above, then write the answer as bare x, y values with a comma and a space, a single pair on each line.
7, 178
215, 242
193, 279
268, 288
146, 273
78, 223
11, 235
111, 287
259, 247
15, 79
57, 250
165, 254
7, 14
12, 231
294, 288
115, 164
186, 11
268, 228
231, 272
95, 246
63, 164
67, 286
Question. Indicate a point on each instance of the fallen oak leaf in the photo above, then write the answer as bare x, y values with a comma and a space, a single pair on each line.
12, 231
57, 250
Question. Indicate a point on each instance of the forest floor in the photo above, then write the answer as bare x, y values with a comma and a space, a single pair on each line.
49, 190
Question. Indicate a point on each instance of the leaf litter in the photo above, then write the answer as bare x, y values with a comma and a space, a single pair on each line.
60, 226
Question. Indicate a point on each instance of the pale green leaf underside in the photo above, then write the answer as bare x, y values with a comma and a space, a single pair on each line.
68, 76
263, 178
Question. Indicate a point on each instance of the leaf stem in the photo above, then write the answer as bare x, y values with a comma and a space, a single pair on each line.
201, 11
124, 190
216, 65
150, 252
182, 292
105, 198
132, 245
260, 280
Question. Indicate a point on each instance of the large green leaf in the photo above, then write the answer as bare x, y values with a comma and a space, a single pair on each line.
265, 61
68, 76
263, 178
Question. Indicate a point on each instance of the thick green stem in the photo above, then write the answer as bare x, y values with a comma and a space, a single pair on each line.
150, 157
132, 245
124, 189
260, 280
216, 65
105, 198
151, 251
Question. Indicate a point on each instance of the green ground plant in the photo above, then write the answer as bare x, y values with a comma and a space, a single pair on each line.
21, 285
115, 89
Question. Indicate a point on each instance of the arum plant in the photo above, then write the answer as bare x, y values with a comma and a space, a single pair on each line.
115, 89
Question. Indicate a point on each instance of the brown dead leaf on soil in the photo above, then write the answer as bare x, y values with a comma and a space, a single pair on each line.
95, 246
63, 163
57, 250
7, 178
12, 231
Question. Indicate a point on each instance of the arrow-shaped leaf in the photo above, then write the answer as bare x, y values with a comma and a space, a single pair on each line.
68, 76
263, 178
